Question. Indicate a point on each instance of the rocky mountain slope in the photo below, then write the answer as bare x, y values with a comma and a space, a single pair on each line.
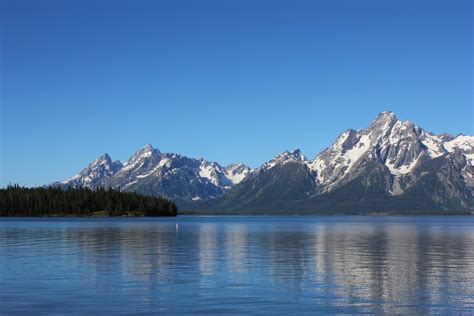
152, 172
390, 166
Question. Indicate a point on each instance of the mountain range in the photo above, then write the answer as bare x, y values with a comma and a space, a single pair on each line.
392, 166
152, 172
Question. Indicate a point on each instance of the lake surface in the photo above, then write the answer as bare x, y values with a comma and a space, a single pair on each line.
224, 265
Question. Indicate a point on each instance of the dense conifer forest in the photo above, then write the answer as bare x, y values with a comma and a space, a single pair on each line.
21, 201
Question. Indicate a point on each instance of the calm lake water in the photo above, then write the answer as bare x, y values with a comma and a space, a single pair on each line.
223, 265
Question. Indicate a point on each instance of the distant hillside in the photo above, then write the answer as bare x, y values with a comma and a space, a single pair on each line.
19, 201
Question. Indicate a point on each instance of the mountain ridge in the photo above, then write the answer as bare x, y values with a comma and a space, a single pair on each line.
387, 161
151, 172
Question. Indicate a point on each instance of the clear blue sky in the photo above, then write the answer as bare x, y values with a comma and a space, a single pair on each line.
224, 80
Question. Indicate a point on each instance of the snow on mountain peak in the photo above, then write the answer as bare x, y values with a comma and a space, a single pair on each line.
395, 147
294, 155
147, 147
105, 158
463, 143
223, 177
399, 145
285, 157
211, 171
380, 128
346, 140
98, 170
142, 154
385, 116
237, 172
434, 144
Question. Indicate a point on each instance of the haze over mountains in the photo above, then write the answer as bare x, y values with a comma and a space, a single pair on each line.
390, 166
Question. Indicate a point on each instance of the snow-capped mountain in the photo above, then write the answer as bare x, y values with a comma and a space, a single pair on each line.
283, 158
236, 172
398, 145
390, 165
152, 172
96, 174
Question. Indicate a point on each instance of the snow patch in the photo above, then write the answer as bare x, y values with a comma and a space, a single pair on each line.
158, 166
470, 158
208, 171
404, 169
396, 188
341, 140
129, 184
462, 142
236, 178
318, 165
433, 144
353, 155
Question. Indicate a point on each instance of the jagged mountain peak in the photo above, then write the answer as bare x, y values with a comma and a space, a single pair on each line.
295, 151
386, 116
398, 146
389, 157
392, 165
287, 156
224, 177
383, 121
382, 126
102, 162
237, 168
446, 137
149, 171
94, 174
290, 155
105, 158
148, 148
346, 140
237, 172
235, 165
143, 153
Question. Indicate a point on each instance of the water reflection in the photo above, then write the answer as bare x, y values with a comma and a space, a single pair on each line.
235, 246
224, 265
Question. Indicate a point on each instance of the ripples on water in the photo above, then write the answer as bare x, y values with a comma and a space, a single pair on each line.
258, 265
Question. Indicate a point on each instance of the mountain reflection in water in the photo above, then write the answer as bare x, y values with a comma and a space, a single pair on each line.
287, 264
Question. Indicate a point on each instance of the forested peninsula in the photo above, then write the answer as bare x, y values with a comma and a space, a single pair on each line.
52, 201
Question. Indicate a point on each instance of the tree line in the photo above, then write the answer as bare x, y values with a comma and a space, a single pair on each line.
53, 201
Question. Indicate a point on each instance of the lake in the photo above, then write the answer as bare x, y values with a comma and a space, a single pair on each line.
237, 264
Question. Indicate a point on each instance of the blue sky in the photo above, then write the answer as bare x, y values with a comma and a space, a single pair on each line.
224, 80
